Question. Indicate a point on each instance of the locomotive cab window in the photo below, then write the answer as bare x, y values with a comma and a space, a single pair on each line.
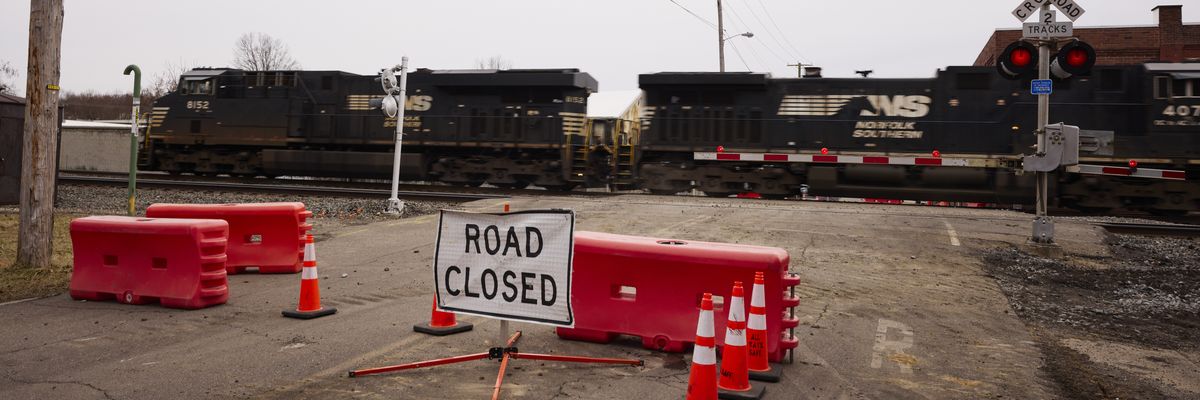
200, 88
1162, 87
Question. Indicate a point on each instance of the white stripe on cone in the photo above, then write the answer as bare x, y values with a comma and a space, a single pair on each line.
758, 298
737, 312
705, 355
308, 273
310, 252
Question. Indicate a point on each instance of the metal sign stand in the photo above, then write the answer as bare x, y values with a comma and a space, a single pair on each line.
508, 351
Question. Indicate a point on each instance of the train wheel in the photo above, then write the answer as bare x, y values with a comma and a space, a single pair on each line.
663, 192
718, 194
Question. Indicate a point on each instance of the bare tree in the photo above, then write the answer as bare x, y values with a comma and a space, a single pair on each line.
8, 75
258, 51
493, 62
167, 78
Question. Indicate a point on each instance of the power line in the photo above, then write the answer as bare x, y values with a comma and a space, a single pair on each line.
753, 53
769, 32
781, 33
739, 54
714, 26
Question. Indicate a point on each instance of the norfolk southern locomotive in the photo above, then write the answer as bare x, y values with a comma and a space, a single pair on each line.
519, 127
1152, 111
508, 128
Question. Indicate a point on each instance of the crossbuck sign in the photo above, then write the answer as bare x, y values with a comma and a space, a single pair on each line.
512, 266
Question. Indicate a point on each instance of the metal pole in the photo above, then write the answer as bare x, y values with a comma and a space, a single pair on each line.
133, 135
1043, 118
721, 35
395, 206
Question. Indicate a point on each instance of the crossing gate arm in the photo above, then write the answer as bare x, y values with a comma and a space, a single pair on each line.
1169, 174
851, 159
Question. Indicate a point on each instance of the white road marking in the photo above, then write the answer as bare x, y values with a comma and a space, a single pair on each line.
87, 339
893, 349
952, 233
18, 301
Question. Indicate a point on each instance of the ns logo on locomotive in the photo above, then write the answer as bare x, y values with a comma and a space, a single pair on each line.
516, 128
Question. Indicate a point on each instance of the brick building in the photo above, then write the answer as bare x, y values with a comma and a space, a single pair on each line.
1169, 41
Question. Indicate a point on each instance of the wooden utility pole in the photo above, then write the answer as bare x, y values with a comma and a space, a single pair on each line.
41, 134
721, 35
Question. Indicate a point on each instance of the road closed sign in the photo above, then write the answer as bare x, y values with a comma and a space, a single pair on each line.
513, 266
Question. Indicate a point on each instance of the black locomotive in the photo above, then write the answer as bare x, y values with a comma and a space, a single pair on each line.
514, 128
509, 128
963, 112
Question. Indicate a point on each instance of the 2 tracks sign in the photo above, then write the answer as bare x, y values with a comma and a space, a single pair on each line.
512, 266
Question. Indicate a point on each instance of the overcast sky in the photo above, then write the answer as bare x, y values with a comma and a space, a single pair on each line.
614, 40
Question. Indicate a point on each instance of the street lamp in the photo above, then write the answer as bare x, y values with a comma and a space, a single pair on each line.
746, 34
721, 35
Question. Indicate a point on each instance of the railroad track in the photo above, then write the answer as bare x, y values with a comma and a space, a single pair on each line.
1152, 229
280, 188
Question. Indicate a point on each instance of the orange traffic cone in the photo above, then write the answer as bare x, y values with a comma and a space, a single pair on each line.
756, 334
310, 287
442, 323
735, 374
702, 383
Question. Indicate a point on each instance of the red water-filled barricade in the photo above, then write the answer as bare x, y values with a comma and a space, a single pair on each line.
651, 288
178, 262
268, 236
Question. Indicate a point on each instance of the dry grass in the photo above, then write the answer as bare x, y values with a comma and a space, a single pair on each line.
21, 283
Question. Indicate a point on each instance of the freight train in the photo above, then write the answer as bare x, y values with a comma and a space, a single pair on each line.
514, 128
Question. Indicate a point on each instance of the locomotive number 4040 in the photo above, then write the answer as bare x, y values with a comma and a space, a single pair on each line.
1182, 111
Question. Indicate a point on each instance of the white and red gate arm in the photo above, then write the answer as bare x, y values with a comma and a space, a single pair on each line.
1169, 174
842, 159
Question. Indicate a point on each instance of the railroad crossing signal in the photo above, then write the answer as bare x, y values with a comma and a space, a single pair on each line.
1020, 60
1075, 58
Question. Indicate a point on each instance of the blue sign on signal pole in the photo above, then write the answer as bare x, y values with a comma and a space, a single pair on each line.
1041, 86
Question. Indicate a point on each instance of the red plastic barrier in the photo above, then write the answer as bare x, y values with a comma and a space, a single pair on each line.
178, 262
269, 236
652, 288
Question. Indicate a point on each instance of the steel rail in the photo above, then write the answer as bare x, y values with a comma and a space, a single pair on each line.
1152, 229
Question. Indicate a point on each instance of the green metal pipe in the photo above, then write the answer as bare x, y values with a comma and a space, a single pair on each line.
133, 136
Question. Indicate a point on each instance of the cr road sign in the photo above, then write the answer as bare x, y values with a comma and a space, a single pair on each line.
1050, 30
1030, 8
1069, 8
512, 266
1027, 8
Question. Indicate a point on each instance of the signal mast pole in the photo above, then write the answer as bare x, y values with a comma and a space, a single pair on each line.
395, 206
1043, 227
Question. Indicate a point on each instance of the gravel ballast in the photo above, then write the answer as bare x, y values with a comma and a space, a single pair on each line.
90, 199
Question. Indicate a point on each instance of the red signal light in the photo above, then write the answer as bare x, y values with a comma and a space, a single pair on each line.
720, 149
937, 154
1075, 58
1132, 163
1021, 57
824, 150
1019, 60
